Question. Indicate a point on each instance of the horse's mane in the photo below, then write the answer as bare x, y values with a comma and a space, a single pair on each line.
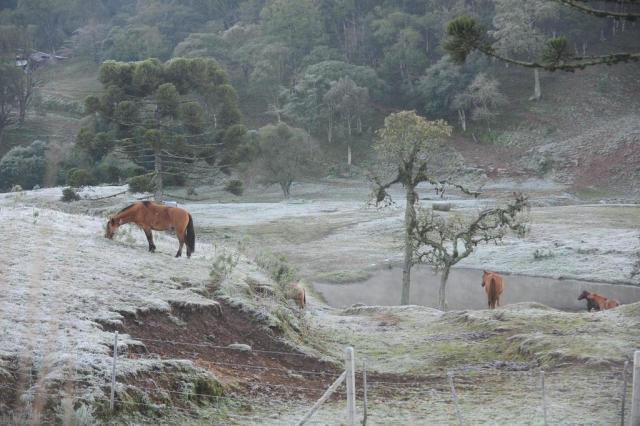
126, 208
146, 203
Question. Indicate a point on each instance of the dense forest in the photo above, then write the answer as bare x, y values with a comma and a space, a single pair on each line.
207, 86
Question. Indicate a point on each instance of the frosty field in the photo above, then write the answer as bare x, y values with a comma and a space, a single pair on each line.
66, 289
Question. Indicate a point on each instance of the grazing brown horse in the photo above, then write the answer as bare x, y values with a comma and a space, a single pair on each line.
493, 284
298, 295
600, 301
151, 216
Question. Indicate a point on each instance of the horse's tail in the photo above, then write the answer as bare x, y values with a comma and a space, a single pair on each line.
493, 291
191, 236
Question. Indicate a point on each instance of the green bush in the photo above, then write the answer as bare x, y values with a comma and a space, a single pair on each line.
174, 178
108, 173
79, 177
234, 186
134, 171
23, 165
69, 195
143, 183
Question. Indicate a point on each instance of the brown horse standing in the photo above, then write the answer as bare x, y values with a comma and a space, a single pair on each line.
151, 216
493, 284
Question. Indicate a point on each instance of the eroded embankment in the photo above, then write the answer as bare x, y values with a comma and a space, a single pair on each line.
204, 335
271, 369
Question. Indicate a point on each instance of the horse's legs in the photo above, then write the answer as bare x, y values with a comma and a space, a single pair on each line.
147, 232
181, 240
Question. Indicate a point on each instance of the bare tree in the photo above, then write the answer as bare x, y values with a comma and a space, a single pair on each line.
349, 101
518, 30
482, 98
443, 241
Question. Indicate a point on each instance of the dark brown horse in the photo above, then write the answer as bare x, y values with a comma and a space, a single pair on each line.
494, 285
155, 217
600, 301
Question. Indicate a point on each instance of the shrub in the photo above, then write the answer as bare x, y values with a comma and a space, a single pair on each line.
541, 254
235, 186
69, 195
174, 177
108, 173
79, 177
23, 165
134, 171
223, 265
277, 266
545, 164
142, 183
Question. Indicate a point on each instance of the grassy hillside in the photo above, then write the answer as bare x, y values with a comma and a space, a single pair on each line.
68, 289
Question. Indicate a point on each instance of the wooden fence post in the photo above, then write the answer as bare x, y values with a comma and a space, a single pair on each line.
635, 395
351, 386
322, 399
113, 371
544, 399
364, 389
454, 396
624, 392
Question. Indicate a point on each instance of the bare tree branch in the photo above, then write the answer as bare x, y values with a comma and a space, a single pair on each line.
600, 13
438, 240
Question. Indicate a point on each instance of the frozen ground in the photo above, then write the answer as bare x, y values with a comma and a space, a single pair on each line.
331, 228
61, 279
62, 282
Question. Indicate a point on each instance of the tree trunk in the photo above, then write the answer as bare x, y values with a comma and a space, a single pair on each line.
330, 127
25, 93
158, 178
536, 89
463, 119
349, 155
276, 108
409, 219
442, 290
286, 189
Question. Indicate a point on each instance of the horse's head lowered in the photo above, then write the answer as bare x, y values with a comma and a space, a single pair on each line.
585, 294
112, 227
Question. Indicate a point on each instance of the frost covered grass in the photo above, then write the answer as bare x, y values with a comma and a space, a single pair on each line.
338, 231
66, 286
495, 356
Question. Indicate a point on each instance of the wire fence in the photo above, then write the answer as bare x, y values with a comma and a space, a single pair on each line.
464, 396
